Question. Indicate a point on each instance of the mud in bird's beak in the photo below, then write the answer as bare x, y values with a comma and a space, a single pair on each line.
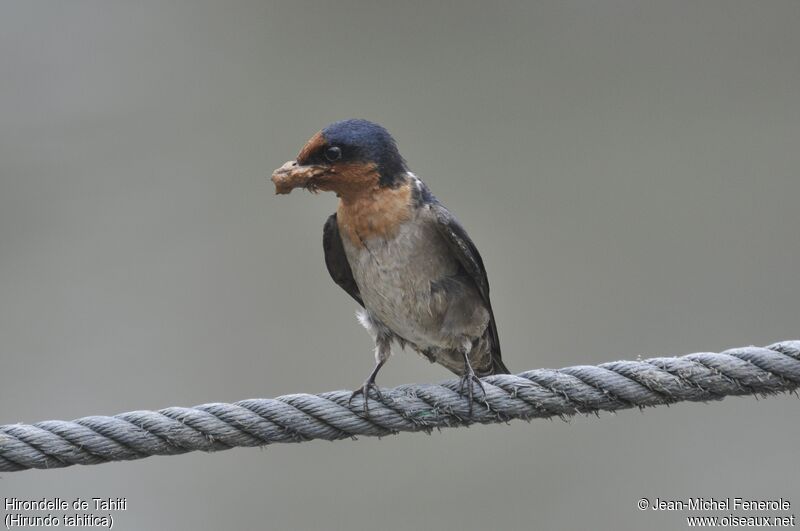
293, 175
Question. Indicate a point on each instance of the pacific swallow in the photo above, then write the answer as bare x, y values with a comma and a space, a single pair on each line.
395, 249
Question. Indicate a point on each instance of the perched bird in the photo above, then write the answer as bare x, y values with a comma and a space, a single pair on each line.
394, 248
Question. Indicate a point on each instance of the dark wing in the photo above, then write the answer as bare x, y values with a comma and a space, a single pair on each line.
336, 260
468, 256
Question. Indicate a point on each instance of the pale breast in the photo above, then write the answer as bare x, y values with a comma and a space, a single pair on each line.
395, 278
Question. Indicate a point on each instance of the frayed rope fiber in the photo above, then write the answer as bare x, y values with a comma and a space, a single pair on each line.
539, 393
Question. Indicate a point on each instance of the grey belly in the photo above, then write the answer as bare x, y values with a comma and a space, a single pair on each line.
412, 285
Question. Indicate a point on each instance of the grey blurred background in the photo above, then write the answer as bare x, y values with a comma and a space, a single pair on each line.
629, 170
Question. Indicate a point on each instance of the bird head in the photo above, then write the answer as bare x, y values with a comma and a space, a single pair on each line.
346, 157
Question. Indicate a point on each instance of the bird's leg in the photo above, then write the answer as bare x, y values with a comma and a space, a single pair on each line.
368, 384
382, 352
468, 377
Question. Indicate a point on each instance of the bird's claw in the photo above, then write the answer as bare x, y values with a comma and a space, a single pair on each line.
364, 391
466, 381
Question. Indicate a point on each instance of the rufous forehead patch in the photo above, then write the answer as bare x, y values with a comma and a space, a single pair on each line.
314, 143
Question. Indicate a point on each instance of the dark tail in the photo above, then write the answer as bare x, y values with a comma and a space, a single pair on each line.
498, 367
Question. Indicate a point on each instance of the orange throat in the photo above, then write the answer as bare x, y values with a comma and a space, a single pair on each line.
373, 212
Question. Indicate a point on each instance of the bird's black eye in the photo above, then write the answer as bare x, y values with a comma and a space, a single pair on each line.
333, 153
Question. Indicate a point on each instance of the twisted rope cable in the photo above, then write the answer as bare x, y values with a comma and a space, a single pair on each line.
532, 394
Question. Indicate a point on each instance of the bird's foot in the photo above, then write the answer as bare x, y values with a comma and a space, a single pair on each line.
467, 381
364, 391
